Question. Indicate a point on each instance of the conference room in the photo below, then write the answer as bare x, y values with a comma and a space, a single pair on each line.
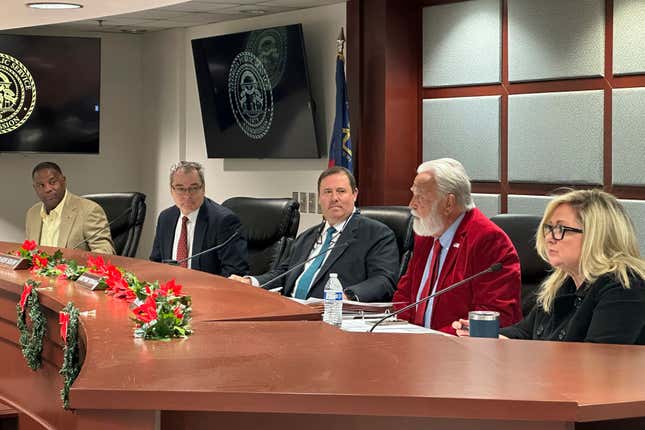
529, 96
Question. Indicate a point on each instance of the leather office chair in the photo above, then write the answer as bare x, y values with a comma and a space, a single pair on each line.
126, 227
521, 230
270, 226
399, 220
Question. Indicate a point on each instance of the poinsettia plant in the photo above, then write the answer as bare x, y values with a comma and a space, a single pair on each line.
162, 311
165, 313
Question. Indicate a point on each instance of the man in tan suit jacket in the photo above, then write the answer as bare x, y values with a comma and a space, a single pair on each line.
64, 219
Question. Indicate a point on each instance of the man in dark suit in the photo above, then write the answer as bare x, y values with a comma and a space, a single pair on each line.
363, 252
202, 225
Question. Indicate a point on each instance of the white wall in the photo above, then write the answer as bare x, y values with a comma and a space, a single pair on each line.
150, 118
116, 168
173, 126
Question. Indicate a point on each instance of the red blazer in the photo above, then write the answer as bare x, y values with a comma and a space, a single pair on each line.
478, 243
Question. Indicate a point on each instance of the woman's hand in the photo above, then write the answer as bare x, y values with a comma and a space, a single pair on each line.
461, 327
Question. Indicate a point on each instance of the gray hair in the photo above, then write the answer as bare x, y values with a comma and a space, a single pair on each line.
186, 166
451, 178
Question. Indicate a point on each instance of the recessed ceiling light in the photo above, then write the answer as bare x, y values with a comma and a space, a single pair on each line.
253, 11
57, 5
133, 30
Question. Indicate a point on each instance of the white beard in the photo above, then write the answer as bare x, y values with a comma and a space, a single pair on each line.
426, 226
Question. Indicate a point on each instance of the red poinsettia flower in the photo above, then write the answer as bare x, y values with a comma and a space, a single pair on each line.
26, 291
97, 265
171, 286
29, 245
63, 269
177, 312
63, 320
147, 311
39, 261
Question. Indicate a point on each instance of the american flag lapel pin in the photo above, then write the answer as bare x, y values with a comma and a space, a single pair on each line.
455, 245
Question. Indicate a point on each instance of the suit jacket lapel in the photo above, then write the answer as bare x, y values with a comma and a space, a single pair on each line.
456, 247
348, 233
168, 239
67, 218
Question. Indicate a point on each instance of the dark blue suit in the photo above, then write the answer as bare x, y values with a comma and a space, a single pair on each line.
367, 267
214, 225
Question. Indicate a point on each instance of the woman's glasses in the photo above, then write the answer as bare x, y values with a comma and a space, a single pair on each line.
557, 231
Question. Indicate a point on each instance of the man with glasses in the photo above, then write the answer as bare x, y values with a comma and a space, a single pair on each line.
195, 224
454, 240
64, 219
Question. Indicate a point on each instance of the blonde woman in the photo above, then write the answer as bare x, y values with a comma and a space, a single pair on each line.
596, 292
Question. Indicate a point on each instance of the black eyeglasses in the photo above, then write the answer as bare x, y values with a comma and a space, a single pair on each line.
557, 231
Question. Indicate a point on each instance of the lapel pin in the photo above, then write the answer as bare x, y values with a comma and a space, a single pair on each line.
455, 245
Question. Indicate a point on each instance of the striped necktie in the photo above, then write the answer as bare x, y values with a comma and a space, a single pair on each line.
304, 284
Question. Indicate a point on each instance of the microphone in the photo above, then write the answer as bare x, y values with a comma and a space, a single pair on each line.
125, 212
206, 251
493, 268
282, 275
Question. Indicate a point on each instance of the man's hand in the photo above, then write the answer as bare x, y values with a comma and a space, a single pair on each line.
241, 279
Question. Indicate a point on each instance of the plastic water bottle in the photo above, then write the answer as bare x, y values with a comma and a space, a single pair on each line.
333, 301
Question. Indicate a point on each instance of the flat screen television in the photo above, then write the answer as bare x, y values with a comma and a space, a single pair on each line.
254, 94
49, 94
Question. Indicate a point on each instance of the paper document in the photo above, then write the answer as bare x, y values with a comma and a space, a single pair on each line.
364, 325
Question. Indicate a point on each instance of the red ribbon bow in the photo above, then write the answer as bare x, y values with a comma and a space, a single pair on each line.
63, 320
26, 291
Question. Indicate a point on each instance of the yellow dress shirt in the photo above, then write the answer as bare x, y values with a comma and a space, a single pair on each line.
51, 223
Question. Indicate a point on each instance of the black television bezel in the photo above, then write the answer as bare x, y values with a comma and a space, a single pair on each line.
208, 105
96, 40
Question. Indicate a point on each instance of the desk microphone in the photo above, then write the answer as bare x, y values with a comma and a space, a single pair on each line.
206, 251
494, 268
282, 275
124, 213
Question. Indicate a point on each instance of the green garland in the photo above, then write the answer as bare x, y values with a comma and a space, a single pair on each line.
71, 359
31, 342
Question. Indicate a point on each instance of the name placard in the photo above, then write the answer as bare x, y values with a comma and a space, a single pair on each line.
13, 262
91, 281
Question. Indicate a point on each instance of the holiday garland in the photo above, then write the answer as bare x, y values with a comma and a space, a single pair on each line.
31, 341
161, 310
68, 319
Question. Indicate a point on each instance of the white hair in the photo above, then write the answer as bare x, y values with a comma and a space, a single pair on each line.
451, 178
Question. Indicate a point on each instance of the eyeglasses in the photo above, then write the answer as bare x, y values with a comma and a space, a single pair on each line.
190, 190
557, 231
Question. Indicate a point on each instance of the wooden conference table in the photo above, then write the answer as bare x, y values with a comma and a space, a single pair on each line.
260, 361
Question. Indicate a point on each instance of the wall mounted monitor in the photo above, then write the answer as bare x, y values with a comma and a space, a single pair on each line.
49, 94
254, 94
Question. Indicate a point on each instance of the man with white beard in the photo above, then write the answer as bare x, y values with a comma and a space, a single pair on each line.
454, 240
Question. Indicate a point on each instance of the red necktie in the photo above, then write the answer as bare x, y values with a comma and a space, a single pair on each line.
182, 246
427, 287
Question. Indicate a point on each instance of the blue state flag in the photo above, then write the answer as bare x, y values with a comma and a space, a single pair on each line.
340, 148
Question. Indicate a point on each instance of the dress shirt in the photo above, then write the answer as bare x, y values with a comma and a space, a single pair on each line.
51, 223
190, 229
446, 240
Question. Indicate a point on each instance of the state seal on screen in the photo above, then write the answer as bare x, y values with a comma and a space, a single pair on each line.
17, 93
250, 95
270, 46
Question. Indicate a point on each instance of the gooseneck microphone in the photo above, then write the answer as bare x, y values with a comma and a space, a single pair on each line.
282, 275
493, 268
206, 251
125, 212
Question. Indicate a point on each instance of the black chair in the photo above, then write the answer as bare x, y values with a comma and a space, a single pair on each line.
126, 212
399, 220
270, 226
521, 230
